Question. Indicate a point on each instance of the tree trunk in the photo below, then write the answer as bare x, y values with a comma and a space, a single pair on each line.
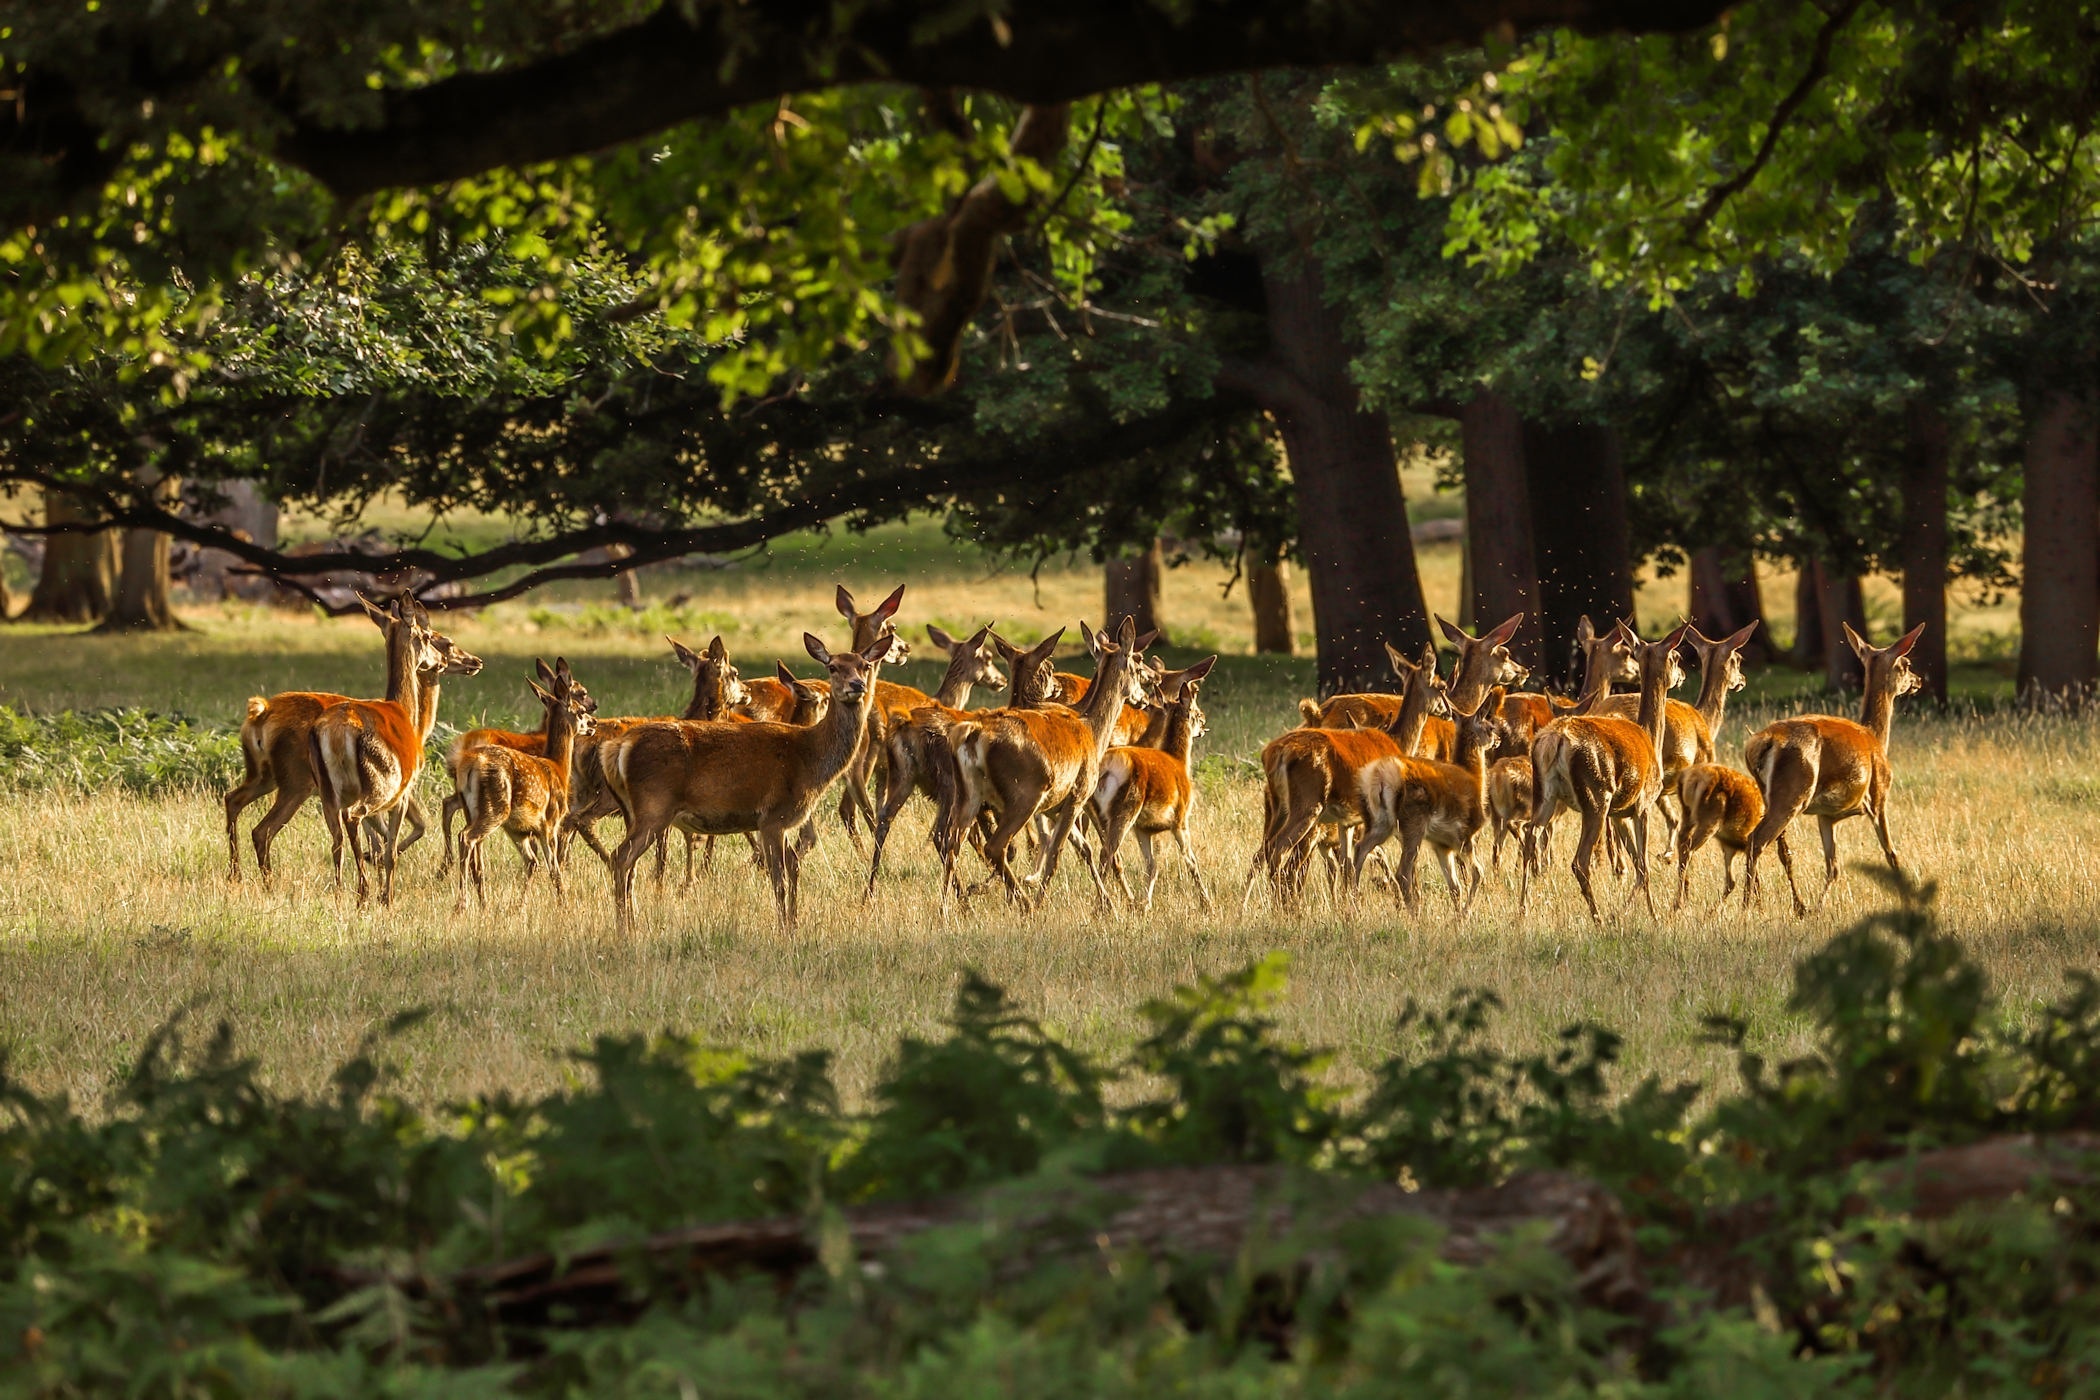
79, 576
1269, 592
628, 589
1725, 597
142, 602
2060, 563
1132, 587
1840, 600
1352, 521
1501, 561
1924, 551
252, 516
1807, 652
1580, 535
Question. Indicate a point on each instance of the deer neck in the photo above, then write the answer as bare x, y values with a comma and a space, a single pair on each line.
1103, 705
954, 690
1180, 736
401, 676
1713, 695
1877, 711
1468, 686
1655, 703
1473, 757
561, 739
837, 735
1407, 725
426, 702
706, 701
1596, 682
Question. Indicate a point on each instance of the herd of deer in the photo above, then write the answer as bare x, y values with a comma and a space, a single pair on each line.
1073, 760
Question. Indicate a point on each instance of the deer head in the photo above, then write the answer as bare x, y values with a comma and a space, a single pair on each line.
1723, 657
975, 653
852, 672
712, 669
867, 626
564, 692
1888, 669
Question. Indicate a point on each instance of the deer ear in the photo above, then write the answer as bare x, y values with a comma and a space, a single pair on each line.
561, 668
978, 638
1397, 659
1429, 656
718, 649
374, 611
1453, 633
1736, 641
787, 677
546, 672
1087, 634
1048, 646
938, 635
889, 605
684, 653
1147, 640
816, 648
878, 650
1675, 639
1860, 645
1584, 630
1126, 635
1197, 672
1501, 635
545, 698
844, 603
1908, 640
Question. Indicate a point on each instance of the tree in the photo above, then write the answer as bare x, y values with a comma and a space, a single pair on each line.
78, 579
142, 602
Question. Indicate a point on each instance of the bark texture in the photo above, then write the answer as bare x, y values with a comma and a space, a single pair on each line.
1269, 594
144, 581
1840, 602
1132, 586
1924, 546
1501, 563
1580, 533
1725, 597
1807, 652
2060, 560
78, 581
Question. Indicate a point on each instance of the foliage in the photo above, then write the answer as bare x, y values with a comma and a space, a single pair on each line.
205, 1234
88, 751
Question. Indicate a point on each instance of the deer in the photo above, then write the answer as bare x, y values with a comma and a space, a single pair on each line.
366, 754
274, 748
1146, 791
1609, 769
1068, 688
721, 777
1607, 659
1482, 661
1689, 730
1022, 763
1443, 804
917, 747
524, 795
1719, 803
1831, 768
1311, 774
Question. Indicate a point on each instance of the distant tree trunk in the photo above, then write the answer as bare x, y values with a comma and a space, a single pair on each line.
1725, 597
1352, 522
1269, 593
2060, 562
1924, 552
1807, 652
628, 588
79, 576
250, 515
1580, 535
142, 603
1840, 600
1501, 560
1133, 585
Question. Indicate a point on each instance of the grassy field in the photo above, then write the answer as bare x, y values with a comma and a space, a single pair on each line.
114, 911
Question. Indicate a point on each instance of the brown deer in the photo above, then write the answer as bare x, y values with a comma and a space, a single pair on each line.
366, 754
1721, 804
1482, 661
1689, 730
1607, 659
1147, 791
1509, 807
1023, 763
1443, 804
1311, 776
1830, 768
274, 748
1067, 688
918, 756
1609, 769
721, 777
524, 795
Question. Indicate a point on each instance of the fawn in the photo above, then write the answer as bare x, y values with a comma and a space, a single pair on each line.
525, 795
1147, 791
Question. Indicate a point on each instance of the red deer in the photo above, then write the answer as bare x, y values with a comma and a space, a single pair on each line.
1689, 730
1830, 768
917, 747
1443, 804
1721, 804
1512, 789
1147, 791
1609, 769
526, 796
1024, 763
721, 777
1482, 661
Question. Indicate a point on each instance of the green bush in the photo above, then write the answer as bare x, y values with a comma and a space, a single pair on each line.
205, 1235
93, 750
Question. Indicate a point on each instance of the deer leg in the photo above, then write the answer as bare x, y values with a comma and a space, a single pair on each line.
893, 799
411, 810
1144, 845
258, 784
1639, 824
1786, 863
1586, 852
1881, 829
452, 806
1405, 888
1068, 819
1727, 878
1828, 828
641, 834
1188, 856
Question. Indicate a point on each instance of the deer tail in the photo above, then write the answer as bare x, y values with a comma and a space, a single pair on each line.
1309, 714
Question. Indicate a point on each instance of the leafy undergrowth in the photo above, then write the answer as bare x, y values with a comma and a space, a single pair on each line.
95, 750
207, 1236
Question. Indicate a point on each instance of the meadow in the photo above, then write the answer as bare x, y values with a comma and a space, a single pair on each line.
115, 911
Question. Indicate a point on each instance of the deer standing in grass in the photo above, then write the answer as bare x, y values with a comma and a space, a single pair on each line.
918, 756
1831, 768
1311, 777
524, 795
1025, 763
1481, 662
366, 753
1147, 791
1442, 804
722, 777
1721, 804
1511, 785
1610, 769
274, 747
1689, 730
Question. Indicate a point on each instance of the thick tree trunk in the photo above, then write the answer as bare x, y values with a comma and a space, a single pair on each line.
1352, 522
1924, 552
2060, 587
1132, 585
1269, 593
1807, 652
142, 603
1725, 597
1840, 600
1502, 576
1580, 535
79, 576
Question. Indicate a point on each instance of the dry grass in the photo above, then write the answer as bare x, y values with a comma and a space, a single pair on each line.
114, 910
